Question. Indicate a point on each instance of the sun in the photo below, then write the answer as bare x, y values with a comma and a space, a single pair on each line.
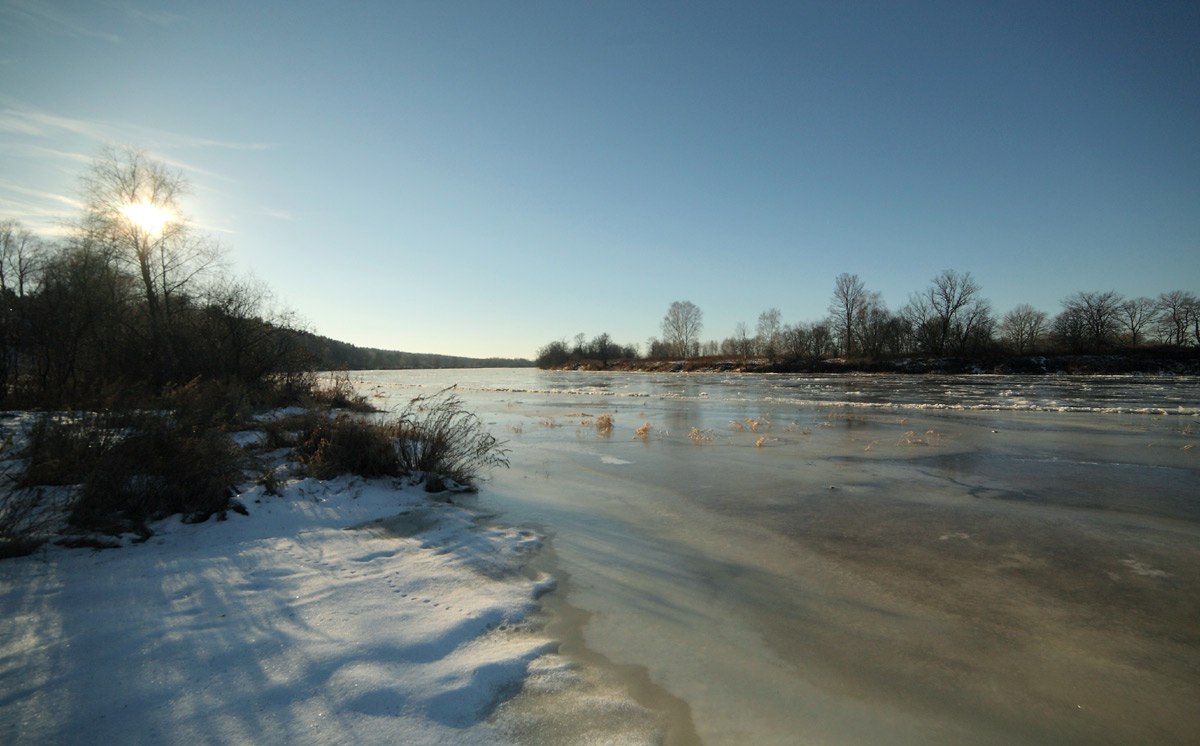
150, 218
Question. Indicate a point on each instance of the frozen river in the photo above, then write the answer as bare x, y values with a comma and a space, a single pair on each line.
866, 559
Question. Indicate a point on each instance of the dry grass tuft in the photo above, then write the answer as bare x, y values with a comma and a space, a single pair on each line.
700, 437
643, 431
339, 393
604, 425
759, 443
756, 425
912, 438
737, 427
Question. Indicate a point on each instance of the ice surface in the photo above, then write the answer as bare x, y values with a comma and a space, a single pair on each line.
933, 559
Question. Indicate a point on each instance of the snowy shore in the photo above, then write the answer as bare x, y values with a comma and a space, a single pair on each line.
347, 611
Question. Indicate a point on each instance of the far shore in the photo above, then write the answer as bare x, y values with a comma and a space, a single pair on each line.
1161, 361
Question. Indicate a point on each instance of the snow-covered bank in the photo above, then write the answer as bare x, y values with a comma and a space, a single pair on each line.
310, 621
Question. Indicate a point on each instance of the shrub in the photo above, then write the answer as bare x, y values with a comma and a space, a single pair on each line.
339, 393
132, 468
159, 468
437, 435
348, 444
433, 436
26, 517
63, 450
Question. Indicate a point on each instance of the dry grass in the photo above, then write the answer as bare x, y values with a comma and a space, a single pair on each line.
759, 443
912, 438
700, 437
604, 425
737, 427
338, 393
642, 432
436, 435
159, 468
349, 445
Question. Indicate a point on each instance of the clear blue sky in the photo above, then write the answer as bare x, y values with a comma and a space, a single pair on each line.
481, 178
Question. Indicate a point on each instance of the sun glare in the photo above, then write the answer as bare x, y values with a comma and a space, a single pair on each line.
150, 218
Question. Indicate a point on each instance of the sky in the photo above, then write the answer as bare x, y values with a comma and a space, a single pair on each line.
480, 178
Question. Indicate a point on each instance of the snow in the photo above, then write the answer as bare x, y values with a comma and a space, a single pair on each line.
346, 611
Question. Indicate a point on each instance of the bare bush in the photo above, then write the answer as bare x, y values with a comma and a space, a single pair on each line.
349, 445
132, 468
339, 393
63, 450
159, 468
27, 517
437, 435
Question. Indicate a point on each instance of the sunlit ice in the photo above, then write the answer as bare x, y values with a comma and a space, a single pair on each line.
148, 217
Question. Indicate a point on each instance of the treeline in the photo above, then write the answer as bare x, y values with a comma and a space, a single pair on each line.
330, 354
132, 303
601, 349
949, 318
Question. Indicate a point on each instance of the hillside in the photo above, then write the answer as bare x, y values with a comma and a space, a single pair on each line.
331, 354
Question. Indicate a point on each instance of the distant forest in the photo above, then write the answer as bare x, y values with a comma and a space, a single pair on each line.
949, 325
330, 354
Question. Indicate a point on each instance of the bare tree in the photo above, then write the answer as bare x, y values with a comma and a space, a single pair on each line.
873, 325
681, 327
849, 299
603, 348
769, 323
132, 204
806, 341
1096, 315
949, 313
21, 256
1133, 316
1022, 327
741, 340
1178, 311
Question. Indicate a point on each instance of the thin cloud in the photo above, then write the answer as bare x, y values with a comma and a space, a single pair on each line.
30, 150
37, 15
21, 119
160, 18
58, 143
37, 216
278, 214
61, 198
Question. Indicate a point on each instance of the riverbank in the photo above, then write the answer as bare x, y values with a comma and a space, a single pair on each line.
1150, 361
340, 611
